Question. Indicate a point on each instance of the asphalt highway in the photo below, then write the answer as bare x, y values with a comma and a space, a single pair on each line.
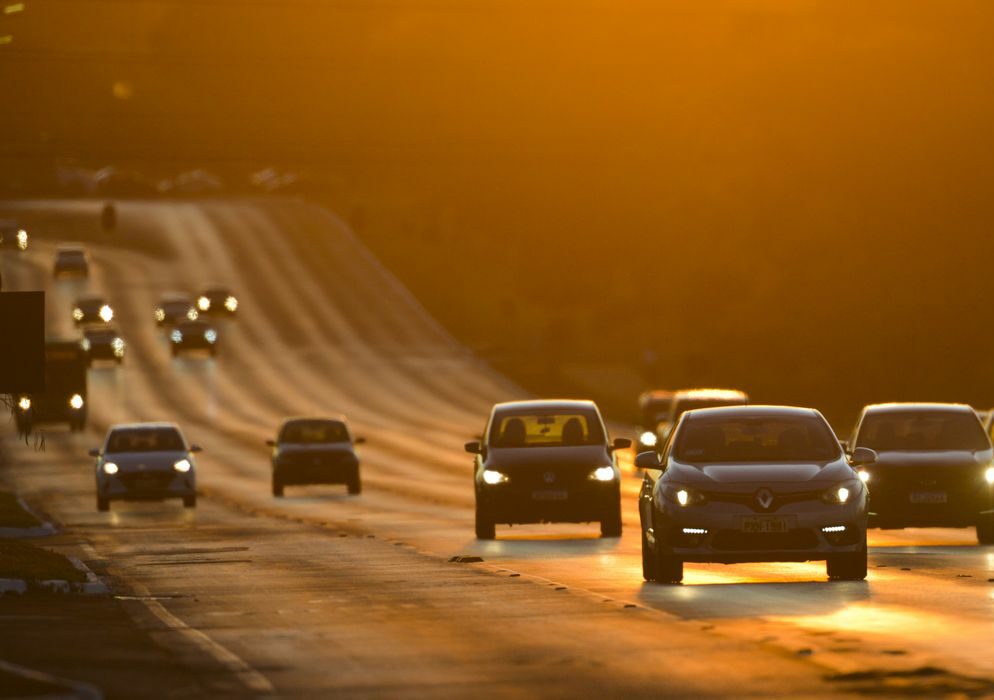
320, 593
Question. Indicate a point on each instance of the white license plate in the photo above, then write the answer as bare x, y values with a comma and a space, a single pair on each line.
765, 524
550, 495
927, 496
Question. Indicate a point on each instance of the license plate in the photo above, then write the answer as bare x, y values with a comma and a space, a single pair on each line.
146, 484
765, 524
550, 495
927, 496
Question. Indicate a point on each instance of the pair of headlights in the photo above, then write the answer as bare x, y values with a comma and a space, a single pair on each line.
182, 466
230, 303
210, 335
838, 495
602, 474
75, 402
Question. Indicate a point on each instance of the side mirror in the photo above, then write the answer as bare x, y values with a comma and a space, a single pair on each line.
473, 448
94, 452
862, 456
621, 444
196, 448
359, 441
271, 443
648, 460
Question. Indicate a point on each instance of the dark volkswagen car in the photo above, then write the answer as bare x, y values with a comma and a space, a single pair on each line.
315, 451
752, 484
934, 467
546, 461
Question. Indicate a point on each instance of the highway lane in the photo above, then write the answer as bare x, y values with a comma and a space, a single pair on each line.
323, 328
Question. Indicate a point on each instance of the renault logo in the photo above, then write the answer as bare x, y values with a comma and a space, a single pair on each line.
549, 477
765, 498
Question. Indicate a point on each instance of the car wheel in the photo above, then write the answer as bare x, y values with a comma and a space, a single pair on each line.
611, 525
277, 488
485, 528
103, 505
355, 486
985, 531
190, 501
847, 567
648, 560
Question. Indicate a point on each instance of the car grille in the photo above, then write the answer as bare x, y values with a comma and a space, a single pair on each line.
146, 481
316, 460
735, 541
749, 499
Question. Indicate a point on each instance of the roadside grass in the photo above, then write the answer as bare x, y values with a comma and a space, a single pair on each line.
13, 515
20, 560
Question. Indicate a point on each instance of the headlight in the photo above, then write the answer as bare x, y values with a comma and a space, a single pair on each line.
192, 314
22, 239
863, 475
231, 303
117, 344
110, 468
24, 403
77, 314
183, 466
210, 335
494, 477
988, 475
76, 402
648, 438
682, 495
203, 303
85, 344
602, 474
106, 313
176, 335
843, 493
160, 315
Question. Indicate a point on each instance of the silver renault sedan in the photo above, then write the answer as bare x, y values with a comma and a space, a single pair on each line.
145, 462
753, 484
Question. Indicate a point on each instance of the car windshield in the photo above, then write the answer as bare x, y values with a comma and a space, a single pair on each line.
70, 256
552, 429
145, 440
684, 405
912, 431
756, 439
310, 432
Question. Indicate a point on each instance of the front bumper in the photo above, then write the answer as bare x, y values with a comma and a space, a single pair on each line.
320, 472
146, 486
506, 504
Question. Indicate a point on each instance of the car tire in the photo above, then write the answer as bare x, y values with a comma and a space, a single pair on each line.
611, 525
190, 501
277, 488
985, 531
103, 505
669, 569
847, 567
485, 527
648, 560
355, 486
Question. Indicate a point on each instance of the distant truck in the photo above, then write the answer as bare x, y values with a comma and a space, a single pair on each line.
64, 398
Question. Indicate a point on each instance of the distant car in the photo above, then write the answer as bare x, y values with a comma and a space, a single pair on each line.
145, 461
71, 261
315, 451
92, 309
64, 399
103, 343
193, 335
654, 409
174, 308
935, 467
546, 461
691, 399
752, 484
12, 236
217, 301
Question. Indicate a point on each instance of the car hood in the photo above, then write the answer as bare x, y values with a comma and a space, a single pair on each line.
933, 458
318, 448
582, 455
776, 473
146, 461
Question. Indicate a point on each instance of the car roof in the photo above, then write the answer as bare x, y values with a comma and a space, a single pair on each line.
655, 395
149, 424
70, 248
717, 394
749, 411
546, 404
896, 406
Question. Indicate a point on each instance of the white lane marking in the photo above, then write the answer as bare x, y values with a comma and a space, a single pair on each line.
248, 676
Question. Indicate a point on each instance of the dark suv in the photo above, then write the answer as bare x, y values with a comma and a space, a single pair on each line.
546, 461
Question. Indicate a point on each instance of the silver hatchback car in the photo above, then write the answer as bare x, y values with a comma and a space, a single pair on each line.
145, 462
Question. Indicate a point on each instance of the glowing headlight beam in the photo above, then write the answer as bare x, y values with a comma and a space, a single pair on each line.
110, 468
989, 475
603, 474
203, 303
106, 313
493, 477
76, 402
183, 466
24, 403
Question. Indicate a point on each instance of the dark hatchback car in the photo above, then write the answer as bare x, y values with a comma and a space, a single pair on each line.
193, 335
546, 461
102, 343
217, 301
71, 261
934, 467
315, 451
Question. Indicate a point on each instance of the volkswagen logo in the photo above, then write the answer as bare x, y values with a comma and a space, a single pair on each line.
549, 477
765, 498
